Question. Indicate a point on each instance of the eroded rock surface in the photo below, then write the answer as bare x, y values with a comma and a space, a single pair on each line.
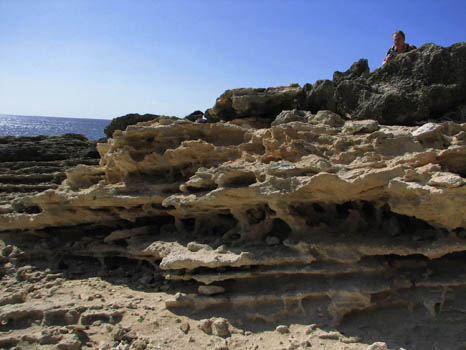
121, 123
425, 84
315, 198
281, 213
29, 165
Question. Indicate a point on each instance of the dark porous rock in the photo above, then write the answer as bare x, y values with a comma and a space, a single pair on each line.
42, 148
424, 84
248, 102
319, 96
211, 117
291, 116
121, 123
195, 116
359, 69
32, 164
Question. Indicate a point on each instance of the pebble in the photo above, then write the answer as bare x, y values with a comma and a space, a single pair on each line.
122, 346
195, 246
119, 333
139, 344
185, 327
220, 327
311, 328
222, 347
331, 335
306, 344
350, 340
378, 346
282, 329
210, 290
206, 326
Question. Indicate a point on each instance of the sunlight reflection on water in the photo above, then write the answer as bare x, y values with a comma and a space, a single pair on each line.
15, 125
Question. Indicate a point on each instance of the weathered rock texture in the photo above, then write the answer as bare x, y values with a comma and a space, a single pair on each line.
324, 197
122, 122
29, 165
315, 214
425, 84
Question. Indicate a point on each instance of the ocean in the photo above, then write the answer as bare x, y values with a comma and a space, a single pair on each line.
20, 125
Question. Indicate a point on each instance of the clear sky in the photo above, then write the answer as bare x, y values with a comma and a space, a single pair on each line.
107, 58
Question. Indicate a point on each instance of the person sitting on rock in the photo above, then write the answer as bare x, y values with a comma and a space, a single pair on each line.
399, 46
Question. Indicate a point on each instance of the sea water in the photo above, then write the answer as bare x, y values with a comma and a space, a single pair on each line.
20, 125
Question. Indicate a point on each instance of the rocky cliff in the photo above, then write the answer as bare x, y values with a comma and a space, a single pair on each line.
328, 203
426, 84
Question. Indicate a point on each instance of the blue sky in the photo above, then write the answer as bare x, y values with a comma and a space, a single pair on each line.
104, 59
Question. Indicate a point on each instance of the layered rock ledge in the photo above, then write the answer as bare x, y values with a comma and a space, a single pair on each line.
29, 165
297, 213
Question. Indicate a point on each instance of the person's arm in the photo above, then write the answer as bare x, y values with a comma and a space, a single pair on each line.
387, 58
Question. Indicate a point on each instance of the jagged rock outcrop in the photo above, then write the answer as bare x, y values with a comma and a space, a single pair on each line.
337, 214
29, 165
426, 84
259, 103
195, 116
121, 123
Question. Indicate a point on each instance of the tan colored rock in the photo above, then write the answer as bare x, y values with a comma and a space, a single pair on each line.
220, 327
206, 326
330, 335
314, 209
210, 290
378, 346
282, 329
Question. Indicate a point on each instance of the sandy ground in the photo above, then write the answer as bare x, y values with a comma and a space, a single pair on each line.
41, 308
82, 306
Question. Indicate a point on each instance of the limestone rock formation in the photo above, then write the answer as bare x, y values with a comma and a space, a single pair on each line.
320, 197
122, 122
278, 211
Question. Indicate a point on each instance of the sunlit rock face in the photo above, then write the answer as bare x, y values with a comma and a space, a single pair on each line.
336, 213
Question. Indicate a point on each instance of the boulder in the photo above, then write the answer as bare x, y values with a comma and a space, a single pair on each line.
422, 85
425, 84
248, 102
121, 123
196, 115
